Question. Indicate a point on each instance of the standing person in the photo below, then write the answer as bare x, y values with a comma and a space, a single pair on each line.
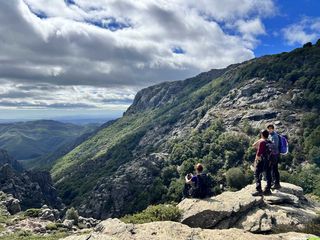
197, 186
275, 138
262, 164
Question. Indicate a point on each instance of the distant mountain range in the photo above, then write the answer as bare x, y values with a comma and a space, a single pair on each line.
34, 141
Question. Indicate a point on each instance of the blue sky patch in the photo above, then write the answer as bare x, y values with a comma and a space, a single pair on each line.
178, 50
70, 2
109, 23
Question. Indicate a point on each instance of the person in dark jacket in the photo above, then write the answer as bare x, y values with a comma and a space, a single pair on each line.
261, 165
275, 138
197, 186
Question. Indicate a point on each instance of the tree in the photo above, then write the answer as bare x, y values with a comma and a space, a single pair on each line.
236, 178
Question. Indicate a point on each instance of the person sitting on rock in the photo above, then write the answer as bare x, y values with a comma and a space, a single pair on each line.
198, 185
262, 164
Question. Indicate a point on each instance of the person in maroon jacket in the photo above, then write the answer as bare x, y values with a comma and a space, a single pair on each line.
262, 164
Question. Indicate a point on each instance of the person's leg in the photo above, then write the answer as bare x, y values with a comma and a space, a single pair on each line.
186, 190
268, 179
276, 171
257, 177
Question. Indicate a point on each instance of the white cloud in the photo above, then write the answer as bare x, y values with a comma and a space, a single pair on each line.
307, 30
120, 44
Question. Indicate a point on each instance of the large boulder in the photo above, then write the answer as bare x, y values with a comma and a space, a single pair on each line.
287, 207
114, 229
9, 204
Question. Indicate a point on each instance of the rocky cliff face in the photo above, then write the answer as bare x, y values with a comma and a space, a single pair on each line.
124, 167
32, 189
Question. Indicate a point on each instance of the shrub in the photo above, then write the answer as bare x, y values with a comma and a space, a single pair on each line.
72, 214
175, 190
32, 212
161, 212
51, 226
236, 178
314, 155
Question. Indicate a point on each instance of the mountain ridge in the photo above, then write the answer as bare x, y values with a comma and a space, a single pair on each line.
134, 155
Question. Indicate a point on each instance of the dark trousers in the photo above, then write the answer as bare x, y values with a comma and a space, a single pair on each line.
186, 190
274, 169
261, 167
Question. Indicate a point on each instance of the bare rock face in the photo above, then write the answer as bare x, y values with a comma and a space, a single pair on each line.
32, 189
285, 207
257, 102
114, 229
115, 195
9, 204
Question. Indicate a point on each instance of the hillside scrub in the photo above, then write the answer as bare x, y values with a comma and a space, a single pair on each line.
161, 212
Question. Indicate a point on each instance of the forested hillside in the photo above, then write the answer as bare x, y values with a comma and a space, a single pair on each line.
34, 142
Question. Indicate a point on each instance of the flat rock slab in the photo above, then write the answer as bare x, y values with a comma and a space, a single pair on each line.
286, 206
208, 213
114, 229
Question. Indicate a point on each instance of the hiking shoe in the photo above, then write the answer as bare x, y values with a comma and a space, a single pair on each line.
257, 193
267, 192
276, 186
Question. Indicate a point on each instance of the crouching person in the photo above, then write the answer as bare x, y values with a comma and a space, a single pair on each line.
198, 185
262, 164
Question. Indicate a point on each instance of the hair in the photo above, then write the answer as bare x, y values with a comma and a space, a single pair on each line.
199, 167
270, 126
265, 133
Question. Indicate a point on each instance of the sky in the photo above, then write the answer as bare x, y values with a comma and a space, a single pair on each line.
90, 57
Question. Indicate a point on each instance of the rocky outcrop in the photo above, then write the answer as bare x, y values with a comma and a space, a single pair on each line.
32, 189
116, 230
257, 102
9, 204
286, 207
117, 194
165, 93
6, 159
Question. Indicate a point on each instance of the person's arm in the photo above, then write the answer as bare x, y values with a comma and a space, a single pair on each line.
256, 144
188, 181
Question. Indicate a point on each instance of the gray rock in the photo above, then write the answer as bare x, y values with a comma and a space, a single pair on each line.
47, 214
68, 223
285, 207
88, 222
114, 229
12, 204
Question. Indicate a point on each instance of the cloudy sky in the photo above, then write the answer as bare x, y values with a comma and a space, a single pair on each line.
90, 57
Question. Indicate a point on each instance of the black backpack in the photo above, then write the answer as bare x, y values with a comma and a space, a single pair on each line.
270, 151
202, 188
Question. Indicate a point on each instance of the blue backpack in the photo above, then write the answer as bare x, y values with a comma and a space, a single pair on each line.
284, 146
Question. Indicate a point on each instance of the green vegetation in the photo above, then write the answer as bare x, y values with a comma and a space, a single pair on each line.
72, 214
32, 212
161, 212
52, 226
236, 178
36, 140
26, 235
